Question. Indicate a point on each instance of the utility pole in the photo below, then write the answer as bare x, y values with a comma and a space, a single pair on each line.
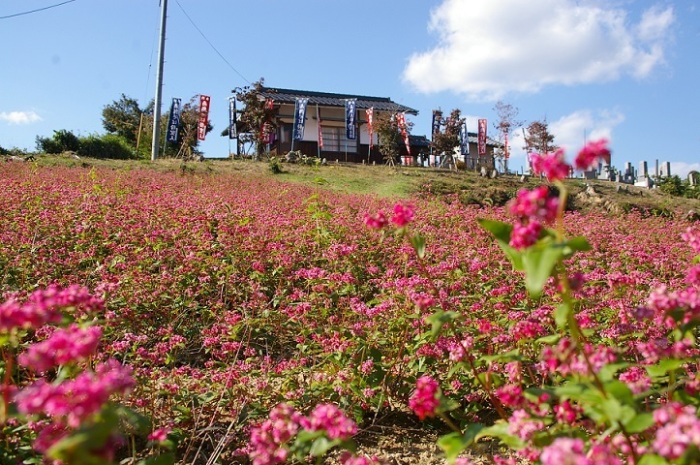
155, 147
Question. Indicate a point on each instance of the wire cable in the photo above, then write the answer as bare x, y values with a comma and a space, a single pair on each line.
35, 11
210, 44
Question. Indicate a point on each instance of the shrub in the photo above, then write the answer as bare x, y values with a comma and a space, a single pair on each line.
62, 140
108, 146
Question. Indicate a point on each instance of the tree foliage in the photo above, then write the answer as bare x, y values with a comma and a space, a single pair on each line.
448, 138
62, 140
123, 117
254, 115
389, 134
538, 138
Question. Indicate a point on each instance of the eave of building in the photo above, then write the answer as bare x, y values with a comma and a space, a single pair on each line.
327, 99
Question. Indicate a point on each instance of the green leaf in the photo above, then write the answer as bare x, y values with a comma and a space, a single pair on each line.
162, 459
664, 366
538, 263
577, 244
500, 430
561, 315
439, 319
418, 243
322, 445
607, 372
652, 459
639, 423
454, 443
499, 229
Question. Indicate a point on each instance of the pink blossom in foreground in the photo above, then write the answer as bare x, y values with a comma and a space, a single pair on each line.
159, 435
65, 345
592, 152
525, 235
402, 215
332, 420
692, 237
377, 221
424, 401
76, 400
347, 458
564, 451
680, 429
535, 204
267, 440
552, 165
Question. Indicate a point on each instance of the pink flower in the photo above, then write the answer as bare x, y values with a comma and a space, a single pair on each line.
377, 221
332, 420
564, 451
348, 458
552, 165
525, 235
159, 435
692, 238
65, 345
535, 205
592, 152
680, 430
76, 400
402, 215
424, 401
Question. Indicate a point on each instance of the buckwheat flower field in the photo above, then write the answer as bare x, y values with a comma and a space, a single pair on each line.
154, 317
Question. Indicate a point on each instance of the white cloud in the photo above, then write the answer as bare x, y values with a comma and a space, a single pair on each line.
573, 130
488, 49
682, 169
19, 117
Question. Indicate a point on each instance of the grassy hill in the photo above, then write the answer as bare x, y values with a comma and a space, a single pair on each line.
401, 182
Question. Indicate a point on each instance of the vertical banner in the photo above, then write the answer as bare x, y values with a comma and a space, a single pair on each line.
401, 123
269, 103
437, 119
464, 138
320, 129
482, 136
174, 121
300, 118
370, 125
232, 131
204, 101
505, 136
350, 107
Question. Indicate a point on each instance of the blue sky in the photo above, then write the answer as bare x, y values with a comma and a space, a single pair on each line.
628, 70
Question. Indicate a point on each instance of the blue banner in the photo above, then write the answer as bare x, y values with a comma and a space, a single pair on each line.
350, 107
464, 138
232, 132
300, 118
437, 120
174, 120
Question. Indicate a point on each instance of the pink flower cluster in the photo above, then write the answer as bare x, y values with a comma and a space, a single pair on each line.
532, 208
679, 430
425, 399
65, 345
76, 400
44, 306
692, 237
554, 167
269, 441
570, 451
402, 215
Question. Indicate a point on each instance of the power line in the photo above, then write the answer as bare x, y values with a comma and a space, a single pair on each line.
35, 11
210, 44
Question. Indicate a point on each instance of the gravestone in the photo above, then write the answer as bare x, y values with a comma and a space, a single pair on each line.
694, 178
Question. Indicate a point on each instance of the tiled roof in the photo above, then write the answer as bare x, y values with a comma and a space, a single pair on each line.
334, 100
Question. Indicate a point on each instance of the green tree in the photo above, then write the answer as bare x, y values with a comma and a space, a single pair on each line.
446, 140
389, 135
123, 117
538, 138
186, 146
253, 115
61, 141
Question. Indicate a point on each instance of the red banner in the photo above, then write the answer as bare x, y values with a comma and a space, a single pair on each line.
482, 137
401, 122
370, 126
320, 129
204, 101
